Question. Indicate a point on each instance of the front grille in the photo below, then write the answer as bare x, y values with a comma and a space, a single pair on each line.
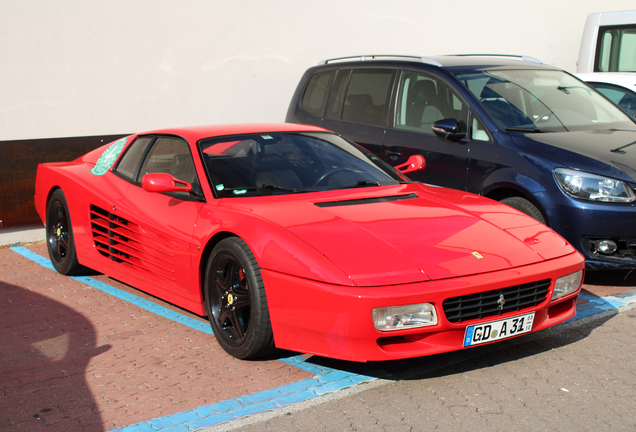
489, 303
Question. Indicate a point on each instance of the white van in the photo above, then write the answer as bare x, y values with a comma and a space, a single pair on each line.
607, 58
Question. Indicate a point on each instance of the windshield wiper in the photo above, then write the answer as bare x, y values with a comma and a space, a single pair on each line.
566, 90
361, 183
524, 129
264, 187
268, 186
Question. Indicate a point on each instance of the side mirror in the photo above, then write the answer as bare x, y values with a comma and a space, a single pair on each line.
162, 182
449, 129
414, 163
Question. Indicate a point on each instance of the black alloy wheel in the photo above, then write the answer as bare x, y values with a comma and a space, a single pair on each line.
59, 235
235, 301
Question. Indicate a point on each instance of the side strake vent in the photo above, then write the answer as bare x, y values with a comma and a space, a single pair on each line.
130, 244
366, 200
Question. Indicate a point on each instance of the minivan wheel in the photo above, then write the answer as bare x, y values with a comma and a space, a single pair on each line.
524, 206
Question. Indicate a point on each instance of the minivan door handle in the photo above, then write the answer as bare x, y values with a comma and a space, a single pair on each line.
393, 154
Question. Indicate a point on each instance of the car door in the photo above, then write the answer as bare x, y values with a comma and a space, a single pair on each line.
358, 105
154, 230
421, 100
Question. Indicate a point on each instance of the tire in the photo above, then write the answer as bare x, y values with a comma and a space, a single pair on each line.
59, 236
524, 206
235, 301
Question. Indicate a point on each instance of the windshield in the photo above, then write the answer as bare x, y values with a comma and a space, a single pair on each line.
542, 101
277, 163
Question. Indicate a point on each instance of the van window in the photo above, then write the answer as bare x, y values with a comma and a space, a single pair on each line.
365, 99
336, 100
313, 101
422, 100
617, 49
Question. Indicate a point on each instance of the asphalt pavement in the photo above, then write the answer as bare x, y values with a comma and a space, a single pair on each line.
90, 353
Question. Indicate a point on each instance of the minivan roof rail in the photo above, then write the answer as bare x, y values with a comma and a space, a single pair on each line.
520, 57
427, 60
371, 57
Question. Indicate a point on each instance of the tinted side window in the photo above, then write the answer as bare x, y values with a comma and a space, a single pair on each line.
422, 100
313, 101
336, 100
367, 96
127, 167
170, 155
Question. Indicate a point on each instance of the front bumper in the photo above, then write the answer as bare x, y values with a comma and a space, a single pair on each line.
583, 224
336, 321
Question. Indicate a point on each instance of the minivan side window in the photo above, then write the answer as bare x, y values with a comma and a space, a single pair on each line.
334, 109
366, 96
422, 100
477, 131
315, 96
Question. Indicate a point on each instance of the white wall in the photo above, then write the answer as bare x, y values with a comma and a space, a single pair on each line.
78, 68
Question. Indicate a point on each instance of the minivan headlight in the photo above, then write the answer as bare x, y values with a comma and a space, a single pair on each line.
579, 184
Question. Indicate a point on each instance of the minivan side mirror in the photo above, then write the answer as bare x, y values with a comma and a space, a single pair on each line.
415, 163
449, 129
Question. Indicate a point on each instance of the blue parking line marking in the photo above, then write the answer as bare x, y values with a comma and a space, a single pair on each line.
326, 380
122, 295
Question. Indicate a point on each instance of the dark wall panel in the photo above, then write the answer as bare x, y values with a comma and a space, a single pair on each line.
18, 164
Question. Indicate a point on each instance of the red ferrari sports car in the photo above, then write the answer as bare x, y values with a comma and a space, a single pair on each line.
293, 237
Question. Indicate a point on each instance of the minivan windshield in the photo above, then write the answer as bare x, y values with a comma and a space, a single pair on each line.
542, 101
283, 163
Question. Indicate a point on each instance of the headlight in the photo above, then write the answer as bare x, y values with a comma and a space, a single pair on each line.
567, 285
404, 317
592, 187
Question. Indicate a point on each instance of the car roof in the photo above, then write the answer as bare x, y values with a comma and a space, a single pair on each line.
195, 133
464, 61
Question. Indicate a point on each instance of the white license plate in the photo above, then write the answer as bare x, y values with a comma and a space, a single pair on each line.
497, 330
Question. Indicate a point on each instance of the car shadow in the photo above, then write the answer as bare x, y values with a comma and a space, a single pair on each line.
471, 358
45, 350
617, 278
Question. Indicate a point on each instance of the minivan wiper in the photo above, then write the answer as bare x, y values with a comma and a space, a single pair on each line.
524, 129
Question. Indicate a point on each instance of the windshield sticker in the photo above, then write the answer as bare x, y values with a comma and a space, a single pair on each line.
220, 187
107, 158
268, 137
240, 192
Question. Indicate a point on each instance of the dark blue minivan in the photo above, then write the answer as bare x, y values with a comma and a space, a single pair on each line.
507, 127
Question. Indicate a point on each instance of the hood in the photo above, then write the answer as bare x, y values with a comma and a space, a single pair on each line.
413, 233
610, 153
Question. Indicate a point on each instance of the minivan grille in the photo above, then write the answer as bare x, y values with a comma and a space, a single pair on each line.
496, 302
131, 245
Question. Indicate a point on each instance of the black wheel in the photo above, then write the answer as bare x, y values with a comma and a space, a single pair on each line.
59, 235
235, 301
524, 206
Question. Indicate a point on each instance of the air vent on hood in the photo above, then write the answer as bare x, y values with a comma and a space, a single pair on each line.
131, 245
366, 200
